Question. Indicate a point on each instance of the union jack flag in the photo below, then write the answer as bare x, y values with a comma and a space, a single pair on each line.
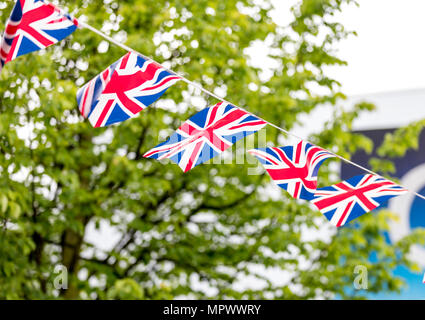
206, 134
354, 197
34, 25
124, 89
294, 168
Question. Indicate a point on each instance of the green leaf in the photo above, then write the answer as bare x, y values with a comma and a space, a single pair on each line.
3, 203
15, 210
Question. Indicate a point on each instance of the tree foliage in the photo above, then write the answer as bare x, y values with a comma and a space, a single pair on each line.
180, 235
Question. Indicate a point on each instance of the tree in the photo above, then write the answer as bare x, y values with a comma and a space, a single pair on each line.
179, 233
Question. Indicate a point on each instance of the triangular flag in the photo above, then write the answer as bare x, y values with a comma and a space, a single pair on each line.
207, 134
354, 197
293, 168
32, 26
124, 89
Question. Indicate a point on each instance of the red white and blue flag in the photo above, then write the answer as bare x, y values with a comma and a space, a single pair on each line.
32, 26
293, 168
124, 89
354, 197
206, 134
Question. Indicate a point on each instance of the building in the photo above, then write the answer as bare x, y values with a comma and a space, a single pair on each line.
396, 109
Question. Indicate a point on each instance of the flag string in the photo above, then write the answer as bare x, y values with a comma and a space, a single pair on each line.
199, 87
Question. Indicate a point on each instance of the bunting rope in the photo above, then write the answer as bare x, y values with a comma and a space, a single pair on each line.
199, 87
64, 24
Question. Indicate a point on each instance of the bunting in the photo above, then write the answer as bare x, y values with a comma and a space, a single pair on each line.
133, 83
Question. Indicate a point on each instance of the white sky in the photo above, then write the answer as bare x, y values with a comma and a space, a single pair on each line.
386, 62
389, 52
